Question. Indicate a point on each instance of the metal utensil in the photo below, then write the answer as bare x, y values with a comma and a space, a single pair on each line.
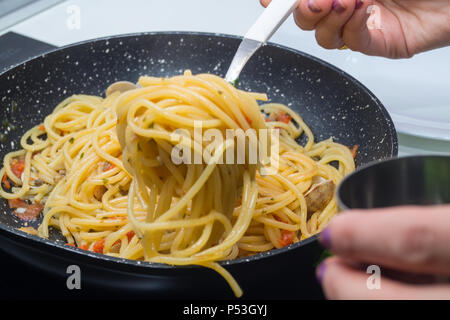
264, 27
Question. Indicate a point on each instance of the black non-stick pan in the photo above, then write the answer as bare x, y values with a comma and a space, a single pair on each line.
331, 102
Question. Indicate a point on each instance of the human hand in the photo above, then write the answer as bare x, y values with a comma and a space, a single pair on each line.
388, 28
411, 245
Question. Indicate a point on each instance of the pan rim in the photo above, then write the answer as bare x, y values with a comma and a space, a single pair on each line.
57, 245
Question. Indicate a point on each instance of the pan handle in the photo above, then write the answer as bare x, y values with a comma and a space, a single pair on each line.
271, 19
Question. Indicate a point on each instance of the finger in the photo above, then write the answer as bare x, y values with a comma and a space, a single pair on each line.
265, 3
370, 30
309, 12
329, 29
355, 33
405, 238
342, 281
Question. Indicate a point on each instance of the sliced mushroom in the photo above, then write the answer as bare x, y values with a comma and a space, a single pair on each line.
120, 86
99, 191
38, 182
115, 248
319, 195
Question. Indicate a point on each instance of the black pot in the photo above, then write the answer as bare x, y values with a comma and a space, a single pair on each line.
416, 180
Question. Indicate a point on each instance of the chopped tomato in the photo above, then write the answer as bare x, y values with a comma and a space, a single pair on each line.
108, 166
284, 117
354, 150
17, 167
130, 235
24, 210
83, 246
286, 237
29, 212
16, 203
5, 182
277, 218
98, 246
42, 127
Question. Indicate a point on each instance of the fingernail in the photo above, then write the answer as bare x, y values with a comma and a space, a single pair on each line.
313, 7
325, 238
320, 271
359, 4
337, 6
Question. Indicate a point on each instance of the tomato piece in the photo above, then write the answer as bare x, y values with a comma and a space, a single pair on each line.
99, 246
42, 127
83, 246
30, 212
109, 166
17, 167
16, 203
130, 235
24, 210
284, 117
277, 218
286, 237
5, 182
354, 150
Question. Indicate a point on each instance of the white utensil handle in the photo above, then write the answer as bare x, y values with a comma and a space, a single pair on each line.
271, 19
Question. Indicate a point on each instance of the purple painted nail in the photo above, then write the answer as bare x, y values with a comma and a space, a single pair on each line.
320, 271
325, 238
313, 7
337, 6
359, 4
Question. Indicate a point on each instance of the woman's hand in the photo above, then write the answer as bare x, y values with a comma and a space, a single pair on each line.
410, 245
395, 29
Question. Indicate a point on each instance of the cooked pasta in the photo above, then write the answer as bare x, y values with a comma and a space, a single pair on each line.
103, 172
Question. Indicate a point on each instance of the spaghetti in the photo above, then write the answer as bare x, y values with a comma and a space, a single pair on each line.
102, 171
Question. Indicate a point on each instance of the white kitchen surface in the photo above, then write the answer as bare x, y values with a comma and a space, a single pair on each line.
417, 88
14, 11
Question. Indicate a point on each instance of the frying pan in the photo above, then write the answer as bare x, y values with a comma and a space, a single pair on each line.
331, 102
